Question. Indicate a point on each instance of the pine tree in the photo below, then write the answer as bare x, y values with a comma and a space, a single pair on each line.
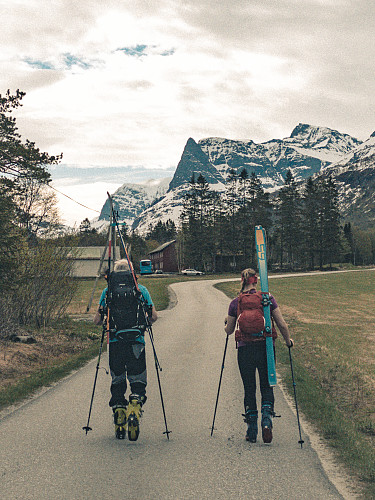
288, 215
255, 209
331, 232
23, 170
232, 203
310, 226
195, 217
348, 234
162, 232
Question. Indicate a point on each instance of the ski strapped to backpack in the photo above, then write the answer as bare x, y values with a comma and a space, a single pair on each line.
260, 243
143, 308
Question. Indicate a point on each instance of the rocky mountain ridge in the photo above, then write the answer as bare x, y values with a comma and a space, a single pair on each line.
130, 200
355, 178
309, 151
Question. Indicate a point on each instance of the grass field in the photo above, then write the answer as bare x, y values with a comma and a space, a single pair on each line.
332, 320
60, 348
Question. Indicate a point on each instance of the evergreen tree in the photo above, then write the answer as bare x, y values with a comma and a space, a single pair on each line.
190, 226
255, 209
197, 222
348, 235
330, 223
11, 238
162, 232
232, 204
310, 223
289, 222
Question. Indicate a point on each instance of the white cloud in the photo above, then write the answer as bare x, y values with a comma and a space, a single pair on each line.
93, 195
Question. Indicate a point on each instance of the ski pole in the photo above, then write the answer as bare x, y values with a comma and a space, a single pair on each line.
157, 367
221, 376
301, 441
87, 428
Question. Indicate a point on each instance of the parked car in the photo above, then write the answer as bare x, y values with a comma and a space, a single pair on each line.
191, 272
158, 271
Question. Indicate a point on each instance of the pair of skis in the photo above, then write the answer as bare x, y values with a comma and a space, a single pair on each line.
260, 243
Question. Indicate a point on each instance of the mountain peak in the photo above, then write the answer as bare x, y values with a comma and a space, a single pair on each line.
193, 162
306, 131
300, 129
322, 139
308, 151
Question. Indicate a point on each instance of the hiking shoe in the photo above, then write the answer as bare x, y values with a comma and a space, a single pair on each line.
133, 414
251, 418
119, 419
267, 414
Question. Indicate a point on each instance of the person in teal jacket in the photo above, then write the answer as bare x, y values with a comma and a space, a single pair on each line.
127, 357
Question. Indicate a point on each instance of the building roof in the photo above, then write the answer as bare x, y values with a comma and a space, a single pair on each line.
162, 247
90, 253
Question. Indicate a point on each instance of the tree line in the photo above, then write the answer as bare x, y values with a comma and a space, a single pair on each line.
303, 223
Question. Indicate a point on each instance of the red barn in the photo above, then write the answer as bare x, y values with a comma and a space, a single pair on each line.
165, 257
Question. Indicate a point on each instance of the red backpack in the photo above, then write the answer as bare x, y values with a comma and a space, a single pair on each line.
250, 318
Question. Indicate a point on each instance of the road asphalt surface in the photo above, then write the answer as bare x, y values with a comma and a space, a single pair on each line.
45, 454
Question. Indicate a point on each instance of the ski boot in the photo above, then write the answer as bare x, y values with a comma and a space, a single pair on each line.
119, 418
251, 418
267, 414
133, 416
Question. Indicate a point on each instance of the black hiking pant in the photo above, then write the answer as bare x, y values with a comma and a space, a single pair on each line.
127, 361
252, 357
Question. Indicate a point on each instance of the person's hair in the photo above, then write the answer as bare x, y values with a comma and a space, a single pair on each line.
121, 265
246, 275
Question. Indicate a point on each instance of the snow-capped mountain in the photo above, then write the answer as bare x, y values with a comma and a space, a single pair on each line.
169, 207
355, 177
305, 152
309, 151
130, 200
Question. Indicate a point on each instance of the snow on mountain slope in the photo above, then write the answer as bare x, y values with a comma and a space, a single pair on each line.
308, 151
354, 175
132, 199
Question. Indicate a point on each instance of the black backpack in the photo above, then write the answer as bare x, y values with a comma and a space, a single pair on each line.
124, 303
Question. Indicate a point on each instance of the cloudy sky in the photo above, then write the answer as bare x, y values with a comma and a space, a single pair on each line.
119, 86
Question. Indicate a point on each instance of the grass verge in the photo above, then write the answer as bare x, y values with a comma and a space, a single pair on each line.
59, 350
332, 321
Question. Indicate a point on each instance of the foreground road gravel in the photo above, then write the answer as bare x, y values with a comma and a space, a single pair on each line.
45, 454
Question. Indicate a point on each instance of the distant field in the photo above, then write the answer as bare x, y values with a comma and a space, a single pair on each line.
332, 320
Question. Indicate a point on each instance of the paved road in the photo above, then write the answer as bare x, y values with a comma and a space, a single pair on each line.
45, 454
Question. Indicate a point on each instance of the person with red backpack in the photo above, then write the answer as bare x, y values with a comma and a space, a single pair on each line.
246, 311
